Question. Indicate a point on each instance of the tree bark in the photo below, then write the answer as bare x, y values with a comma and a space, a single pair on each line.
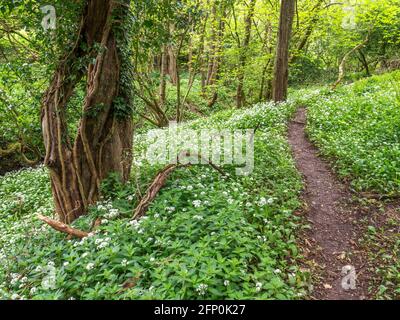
163, 71
240, 96
281, 70
104, 139
342, 66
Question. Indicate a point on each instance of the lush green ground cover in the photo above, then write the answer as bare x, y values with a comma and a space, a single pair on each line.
358, 126
204, 237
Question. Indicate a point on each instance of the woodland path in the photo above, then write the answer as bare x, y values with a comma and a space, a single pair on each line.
331, 243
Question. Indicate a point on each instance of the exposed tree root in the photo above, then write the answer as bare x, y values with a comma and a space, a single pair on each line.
59, 226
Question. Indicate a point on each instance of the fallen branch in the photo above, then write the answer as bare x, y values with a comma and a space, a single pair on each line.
159, 182
153, 190
62, 227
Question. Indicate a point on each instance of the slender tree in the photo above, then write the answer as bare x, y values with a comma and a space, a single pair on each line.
281, 70
104, 140
240, 97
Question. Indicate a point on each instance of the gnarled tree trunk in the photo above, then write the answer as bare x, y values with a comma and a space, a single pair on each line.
104, 139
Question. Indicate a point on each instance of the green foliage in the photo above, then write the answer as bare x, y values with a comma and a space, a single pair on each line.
204, 237
358, 126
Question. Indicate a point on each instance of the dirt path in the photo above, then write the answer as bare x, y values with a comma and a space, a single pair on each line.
332, 240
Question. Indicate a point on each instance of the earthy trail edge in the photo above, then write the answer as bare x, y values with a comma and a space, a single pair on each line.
332, 240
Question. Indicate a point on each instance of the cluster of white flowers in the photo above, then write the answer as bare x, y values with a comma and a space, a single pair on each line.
259, 286
263, 201
101, 243
136, 224
198, 217
20, 196
202, 289
170, 209
226, 283
124, 262
113, 213
14, 278
196, 203
109, 211
262, 238
90, 266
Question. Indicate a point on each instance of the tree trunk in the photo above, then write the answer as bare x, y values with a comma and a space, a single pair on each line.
281, 72
163, 71
342, 64
104, 139
240, 98
264, 86
364, 62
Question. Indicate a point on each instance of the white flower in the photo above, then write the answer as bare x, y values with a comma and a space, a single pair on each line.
124, 262
130, 198
156, 215
33, 290
202, 289
278, 271
85, 254
152, 259
90, 266
259, 286
190, 188
15, 296
197, 217
66, 264
262, 202
196, 203
226, 283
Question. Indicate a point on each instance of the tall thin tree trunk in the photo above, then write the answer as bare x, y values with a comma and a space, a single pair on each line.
104, 140
267, 66
281, 72
163, 71
240, 97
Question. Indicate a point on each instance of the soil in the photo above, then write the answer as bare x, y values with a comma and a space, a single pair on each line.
333, 216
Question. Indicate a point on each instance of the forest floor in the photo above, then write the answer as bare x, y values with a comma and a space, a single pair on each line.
332, 241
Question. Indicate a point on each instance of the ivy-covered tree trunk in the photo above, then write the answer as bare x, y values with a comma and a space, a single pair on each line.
104, 140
